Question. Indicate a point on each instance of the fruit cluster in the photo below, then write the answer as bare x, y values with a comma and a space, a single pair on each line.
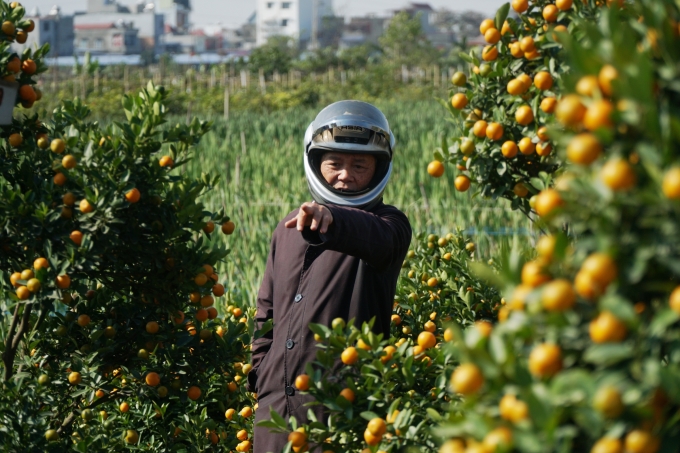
438, 286
509, 100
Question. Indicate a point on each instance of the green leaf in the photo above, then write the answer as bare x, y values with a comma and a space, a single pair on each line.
266, 328
267, 424
662, 321
433, 414
620, 307
408, 373
537, 183
572, 383
501, 168
501, 15
369, 415
607, 354
497, 348
277, 419
465, 57
485, 273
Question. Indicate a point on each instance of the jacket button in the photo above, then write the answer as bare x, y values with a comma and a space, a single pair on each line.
290, 391
290, 344
298, 298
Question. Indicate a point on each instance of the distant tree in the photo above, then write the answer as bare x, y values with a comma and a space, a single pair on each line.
276, 55
330, 31
185, 3
404, 42
463, 25
317, 60
359, 56
460, 26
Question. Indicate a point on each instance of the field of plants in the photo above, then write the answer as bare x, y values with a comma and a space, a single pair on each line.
263, 180
537, 309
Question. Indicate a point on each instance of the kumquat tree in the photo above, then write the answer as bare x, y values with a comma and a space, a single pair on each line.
110, 334
585, 357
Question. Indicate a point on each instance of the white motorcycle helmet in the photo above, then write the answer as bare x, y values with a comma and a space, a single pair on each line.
352, 127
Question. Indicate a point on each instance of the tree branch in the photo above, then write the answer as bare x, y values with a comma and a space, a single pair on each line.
8, 354
38, 323
72, 416
23, 327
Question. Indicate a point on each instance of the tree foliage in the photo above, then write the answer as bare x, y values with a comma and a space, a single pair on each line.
109, 334
276, 55
587, 357
404, 43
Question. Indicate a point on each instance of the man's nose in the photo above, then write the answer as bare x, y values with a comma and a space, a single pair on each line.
343, 174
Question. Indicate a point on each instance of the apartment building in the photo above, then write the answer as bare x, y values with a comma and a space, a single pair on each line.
295, 18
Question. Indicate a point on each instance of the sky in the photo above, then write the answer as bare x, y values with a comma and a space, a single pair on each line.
235, 12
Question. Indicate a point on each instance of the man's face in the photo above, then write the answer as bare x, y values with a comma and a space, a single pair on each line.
349, 172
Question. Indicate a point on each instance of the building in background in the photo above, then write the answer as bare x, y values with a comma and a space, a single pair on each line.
247, 33
224, 40
191, 43
102, 14
109, 38
299, 19
54, 29
362, 30
176, 13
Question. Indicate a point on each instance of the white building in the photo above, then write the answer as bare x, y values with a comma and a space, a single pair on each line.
176, 14
294, 18
144, 18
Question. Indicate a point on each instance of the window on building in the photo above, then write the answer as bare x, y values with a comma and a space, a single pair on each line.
284, 22
285, 5
270, 5
84, 43
46, 26
99, 43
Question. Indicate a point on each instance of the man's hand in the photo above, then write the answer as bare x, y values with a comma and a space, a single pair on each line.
313, 215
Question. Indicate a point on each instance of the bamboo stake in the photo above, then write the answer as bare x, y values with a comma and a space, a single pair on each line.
237, 170
226, 104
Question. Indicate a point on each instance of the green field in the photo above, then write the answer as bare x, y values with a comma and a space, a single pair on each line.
265, 181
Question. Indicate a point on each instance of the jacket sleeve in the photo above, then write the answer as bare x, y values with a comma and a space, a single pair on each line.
265, 312
379, 238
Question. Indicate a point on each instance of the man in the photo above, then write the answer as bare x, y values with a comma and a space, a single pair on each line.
336, 256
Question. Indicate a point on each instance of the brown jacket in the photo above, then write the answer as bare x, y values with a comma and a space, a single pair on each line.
350, 272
